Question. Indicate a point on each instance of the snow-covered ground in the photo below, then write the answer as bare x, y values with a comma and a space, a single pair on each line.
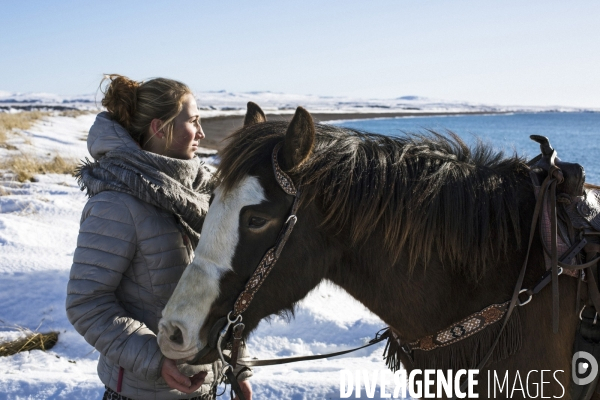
228, 103
39, 222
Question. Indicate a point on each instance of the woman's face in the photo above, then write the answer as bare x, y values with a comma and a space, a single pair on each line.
187, 131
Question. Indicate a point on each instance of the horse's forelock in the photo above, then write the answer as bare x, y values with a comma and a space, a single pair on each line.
248, 148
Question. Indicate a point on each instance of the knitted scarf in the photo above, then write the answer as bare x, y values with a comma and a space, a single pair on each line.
182, 187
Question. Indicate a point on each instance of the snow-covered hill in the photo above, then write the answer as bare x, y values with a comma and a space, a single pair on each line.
228, 103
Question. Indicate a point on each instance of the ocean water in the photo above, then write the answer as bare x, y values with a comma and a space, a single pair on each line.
575, 136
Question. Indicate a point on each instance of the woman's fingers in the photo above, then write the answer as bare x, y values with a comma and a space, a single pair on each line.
181, 379
177, 380
197, 380
170, 368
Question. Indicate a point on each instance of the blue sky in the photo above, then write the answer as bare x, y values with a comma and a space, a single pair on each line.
501, 52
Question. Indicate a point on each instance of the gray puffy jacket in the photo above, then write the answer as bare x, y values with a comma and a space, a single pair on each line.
129, 258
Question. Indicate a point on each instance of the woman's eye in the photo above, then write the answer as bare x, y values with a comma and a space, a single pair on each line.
257, 222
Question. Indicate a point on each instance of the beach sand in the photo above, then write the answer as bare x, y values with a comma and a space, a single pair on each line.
218, 128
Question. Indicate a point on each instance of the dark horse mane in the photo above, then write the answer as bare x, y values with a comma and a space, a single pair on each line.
421, 191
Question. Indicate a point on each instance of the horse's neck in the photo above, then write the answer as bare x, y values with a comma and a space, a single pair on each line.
419, 303
432, 296
385, 289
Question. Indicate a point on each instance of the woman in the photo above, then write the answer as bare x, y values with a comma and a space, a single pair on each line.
148, 197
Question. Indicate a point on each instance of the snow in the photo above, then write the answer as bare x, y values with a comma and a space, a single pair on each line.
221, 103
39, 222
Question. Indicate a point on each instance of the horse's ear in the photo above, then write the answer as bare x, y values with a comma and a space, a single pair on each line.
299, 139
254, 115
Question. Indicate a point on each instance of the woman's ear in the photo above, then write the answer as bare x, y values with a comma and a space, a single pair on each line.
156, 128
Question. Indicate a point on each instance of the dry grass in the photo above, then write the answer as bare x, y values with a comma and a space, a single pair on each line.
32, 341
22, 120
73, 113
26, 166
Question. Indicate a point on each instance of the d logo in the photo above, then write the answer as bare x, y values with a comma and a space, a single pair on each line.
584, 364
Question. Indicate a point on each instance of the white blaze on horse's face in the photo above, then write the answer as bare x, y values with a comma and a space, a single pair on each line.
198, 287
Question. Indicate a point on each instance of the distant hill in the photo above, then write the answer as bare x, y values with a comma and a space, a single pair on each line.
221, 103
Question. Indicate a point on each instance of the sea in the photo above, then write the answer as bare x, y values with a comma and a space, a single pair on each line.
575, 136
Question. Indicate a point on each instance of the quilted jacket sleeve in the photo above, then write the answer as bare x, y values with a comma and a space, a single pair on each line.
105, 248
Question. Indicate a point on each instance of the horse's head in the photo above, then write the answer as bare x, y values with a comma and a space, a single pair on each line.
245, 219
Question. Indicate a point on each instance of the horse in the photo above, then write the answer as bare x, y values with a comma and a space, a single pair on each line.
421, 229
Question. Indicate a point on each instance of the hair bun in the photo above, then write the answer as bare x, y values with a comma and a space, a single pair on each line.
120, 98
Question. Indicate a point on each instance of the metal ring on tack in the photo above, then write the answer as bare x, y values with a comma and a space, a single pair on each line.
222, 336
581, 316
226, 367
237, 319
522, 303
293, 216
560, 271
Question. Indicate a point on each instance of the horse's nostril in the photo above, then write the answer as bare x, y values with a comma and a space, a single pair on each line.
177, 336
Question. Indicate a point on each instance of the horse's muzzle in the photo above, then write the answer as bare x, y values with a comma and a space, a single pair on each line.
209, 353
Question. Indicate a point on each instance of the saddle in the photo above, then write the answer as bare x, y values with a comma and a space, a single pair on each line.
573, 173
578, 207
576, 241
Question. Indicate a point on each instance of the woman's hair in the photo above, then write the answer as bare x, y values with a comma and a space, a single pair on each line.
135, 104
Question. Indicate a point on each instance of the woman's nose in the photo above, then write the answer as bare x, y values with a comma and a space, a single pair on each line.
200, 133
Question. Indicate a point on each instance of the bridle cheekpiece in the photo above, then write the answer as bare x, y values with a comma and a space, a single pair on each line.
272, 255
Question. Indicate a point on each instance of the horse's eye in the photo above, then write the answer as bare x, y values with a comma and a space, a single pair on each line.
257, 222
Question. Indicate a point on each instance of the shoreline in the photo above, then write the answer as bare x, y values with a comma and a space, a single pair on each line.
219, 128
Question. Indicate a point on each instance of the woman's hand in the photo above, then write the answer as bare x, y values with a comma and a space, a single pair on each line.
176, 380
246, 389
